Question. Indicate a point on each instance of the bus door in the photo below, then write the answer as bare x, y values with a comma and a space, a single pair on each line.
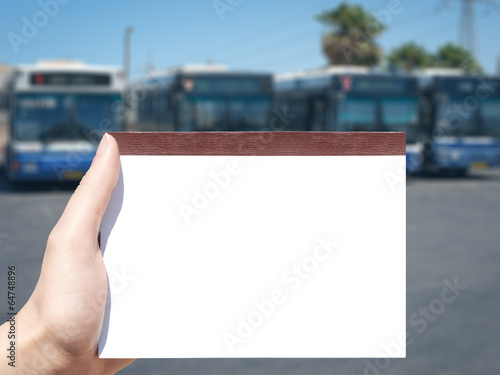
356, 113
318, 113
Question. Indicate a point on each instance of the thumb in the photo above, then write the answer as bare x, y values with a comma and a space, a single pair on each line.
83, 214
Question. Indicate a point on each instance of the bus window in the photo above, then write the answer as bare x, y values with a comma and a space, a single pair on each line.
49, 117
40, 117
95, 111
248, 113
357, 114
400, 114
156, 108
491, 117
453, 122
166, 123
203, 114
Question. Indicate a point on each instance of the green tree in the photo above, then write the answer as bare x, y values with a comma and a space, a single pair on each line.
452, 56
351, 41
410, 56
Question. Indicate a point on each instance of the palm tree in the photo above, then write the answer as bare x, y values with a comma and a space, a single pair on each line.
452, 56
352, 40
410, 56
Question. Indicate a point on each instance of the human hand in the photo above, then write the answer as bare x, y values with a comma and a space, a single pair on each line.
59, 327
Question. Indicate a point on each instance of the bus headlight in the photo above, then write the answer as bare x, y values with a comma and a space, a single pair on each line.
455, 155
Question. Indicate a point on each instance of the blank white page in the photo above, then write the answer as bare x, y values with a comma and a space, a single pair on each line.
256, 256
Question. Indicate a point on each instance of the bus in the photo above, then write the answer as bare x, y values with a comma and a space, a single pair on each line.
201, 98
352, 99
461, 119
57, 113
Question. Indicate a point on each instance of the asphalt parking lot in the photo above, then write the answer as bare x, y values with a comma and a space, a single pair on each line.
453, 236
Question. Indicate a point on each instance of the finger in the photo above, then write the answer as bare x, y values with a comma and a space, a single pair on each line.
83, 214
115, 365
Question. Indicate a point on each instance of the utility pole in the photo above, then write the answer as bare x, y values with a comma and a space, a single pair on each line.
467, 29
126, 52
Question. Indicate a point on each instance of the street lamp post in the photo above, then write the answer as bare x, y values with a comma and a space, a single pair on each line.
126, 52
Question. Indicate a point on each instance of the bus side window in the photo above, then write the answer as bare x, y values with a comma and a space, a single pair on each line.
296, 114
148, 109
140, 114
425, 116
169, 112
281, 119
155, 109
318, 114
166, 118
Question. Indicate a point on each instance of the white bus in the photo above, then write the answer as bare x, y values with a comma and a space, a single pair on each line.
202, 98
353, 98
58, 111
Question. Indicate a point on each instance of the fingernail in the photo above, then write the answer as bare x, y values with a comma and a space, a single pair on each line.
103, 145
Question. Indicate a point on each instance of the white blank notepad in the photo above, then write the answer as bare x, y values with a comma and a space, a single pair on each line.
269, 245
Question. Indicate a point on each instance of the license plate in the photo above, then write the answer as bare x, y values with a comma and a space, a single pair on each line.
73, 175
479, 165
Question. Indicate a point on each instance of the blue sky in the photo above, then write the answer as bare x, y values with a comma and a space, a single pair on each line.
269, 35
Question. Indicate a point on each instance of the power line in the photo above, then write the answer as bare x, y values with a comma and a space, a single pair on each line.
295, 57
418, 17
277, 46
467, 30
258, 53
238, 43
306, 35
435, 31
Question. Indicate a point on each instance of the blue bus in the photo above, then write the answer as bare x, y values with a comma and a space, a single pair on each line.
57, 113
352, 99
201, 98
461, 120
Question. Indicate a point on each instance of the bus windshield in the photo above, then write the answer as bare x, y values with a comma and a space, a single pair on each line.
357, 114
248, 113
65, 117
491, 117
453, 120
220, 113
400, 114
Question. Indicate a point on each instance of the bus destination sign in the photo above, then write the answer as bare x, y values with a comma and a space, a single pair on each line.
70, 79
